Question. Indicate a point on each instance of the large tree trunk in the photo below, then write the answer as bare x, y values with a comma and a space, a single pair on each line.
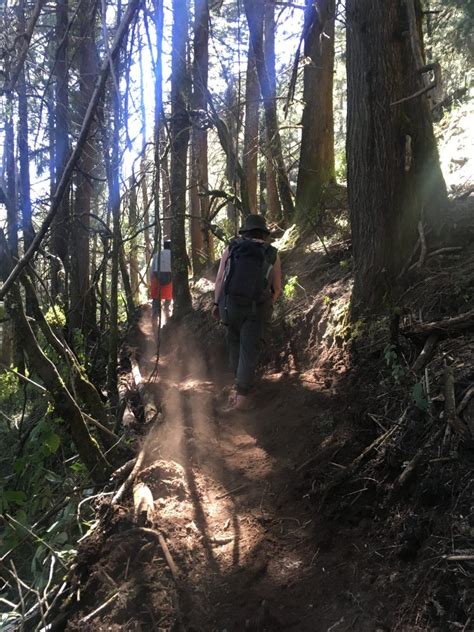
200, 234
250, 157
81, 315
392, 160
273, 205
316, 167
179, 128
60, 228
158, 131
23, 150
254, 12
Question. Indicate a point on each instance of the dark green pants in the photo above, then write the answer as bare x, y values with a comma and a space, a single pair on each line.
246, 325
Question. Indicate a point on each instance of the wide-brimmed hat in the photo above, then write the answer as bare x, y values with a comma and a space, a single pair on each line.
254, 222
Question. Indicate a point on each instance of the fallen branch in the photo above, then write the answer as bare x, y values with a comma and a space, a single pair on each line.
426, 353
154, 533
353, 467
100, 608
127, 484
465, 400
446, 327
149, 407
232, 491
459, 558
414, 462
450, 402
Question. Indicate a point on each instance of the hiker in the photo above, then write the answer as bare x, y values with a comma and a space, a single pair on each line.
161, 287
248, 284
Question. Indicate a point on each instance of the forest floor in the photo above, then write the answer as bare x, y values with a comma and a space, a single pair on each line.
290, 517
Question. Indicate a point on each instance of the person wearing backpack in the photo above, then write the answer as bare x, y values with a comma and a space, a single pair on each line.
161, 287
247, 286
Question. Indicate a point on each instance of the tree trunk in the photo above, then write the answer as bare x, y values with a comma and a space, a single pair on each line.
158, 131
23, 151
231, 155
250, 157
179, 132
200, 234
254, 12
316, 167
80, 315
60, 228
133, 252
392, 160
273, 205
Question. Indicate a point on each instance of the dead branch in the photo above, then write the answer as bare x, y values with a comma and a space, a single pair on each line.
446, 327
426, 353
353, 467
155, 534
414, 462
123, 470
450, 402
150, 410
465, 400
131, 478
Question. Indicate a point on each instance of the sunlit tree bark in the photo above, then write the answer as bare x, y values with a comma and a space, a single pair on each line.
179, 131
201, 238
254, 12
250, 152
273, 201
81, 315
60, 142
394, 177
316, 167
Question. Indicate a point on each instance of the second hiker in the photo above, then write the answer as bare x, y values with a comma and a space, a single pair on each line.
248, 284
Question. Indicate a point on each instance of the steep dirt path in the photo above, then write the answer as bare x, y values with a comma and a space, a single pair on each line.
250, 546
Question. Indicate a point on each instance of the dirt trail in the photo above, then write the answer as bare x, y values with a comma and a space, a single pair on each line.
250, 546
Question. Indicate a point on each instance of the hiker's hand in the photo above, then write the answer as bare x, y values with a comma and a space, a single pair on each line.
215, 312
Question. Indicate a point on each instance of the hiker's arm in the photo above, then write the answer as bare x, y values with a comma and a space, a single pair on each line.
276, 284
220, 275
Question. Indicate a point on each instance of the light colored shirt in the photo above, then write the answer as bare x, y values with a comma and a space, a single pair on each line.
164, 262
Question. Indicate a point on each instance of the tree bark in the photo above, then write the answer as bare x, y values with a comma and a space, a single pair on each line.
201, 241
250, 157
316, 167
60, 228
133, 252
273, 201
179, 131
81, 315
254, 12
392, 161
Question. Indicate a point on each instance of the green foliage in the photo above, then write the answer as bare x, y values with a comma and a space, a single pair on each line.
418, 397
55, 317
393, 363
8, 385
289, 289
341, 165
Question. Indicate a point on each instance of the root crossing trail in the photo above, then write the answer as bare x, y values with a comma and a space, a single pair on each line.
247, 542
